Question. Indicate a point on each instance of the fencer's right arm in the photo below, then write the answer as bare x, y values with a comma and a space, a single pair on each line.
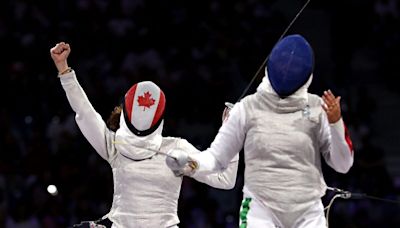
89, 121
225, 179
226, 145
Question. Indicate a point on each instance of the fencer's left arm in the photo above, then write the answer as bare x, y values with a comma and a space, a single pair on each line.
336, 145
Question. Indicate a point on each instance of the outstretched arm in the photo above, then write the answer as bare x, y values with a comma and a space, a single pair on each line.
223, 179
89, 121
336, 145
59, 54
226, 145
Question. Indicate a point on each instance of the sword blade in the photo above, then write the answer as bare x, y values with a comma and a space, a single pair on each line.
146, 148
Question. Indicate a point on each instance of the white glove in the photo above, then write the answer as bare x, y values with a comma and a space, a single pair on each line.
180, 163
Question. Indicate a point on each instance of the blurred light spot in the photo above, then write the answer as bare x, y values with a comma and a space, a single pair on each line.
229, 219
28, 119
52, 189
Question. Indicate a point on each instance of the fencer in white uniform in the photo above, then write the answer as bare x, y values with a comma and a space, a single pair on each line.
284, 131
146, 191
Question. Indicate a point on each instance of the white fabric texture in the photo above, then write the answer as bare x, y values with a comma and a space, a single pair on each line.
259, 215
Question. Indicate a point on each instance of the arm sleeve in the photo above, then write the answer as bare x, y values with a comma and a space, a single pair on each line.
89, 121
226, 145
336, 145
224, 179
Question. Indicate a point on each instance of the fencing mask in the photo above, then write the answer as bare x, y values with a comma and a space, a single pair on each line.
143, 108
290, 65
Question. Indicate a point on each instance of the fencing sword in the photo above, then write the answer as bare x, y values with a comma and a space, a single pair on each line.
230, 105
193, 165
146, 148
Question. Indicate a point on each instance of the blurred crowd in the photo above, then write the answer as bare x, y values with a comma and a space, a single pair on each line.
201, 53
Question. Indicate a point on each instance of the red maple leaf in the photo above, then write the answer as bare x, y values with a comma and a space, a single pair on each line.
146, 100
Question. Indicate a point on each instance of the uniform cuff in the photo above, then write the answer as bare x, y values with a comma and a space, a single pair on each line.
338, 127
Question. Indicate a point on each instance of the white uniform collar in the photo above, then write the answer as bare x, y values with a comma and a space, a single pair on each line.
302, 92
296, 101
137, 147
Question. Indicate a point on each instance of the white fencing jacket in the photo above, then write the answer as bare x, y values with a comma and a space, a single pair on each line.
146, 191
283, 141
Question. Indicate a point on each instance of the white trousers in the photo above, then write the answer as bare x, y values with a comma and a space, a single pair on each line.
255, 215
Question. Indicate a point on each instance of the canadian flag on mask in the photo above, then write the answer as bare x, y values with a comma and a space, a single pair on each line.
144, 106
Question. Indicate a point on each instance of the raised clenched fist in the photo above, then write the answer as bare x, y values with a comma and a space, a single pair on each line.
59, 53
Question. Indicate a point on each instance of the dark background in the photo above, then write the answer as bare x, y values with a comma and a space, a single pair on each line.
201, 53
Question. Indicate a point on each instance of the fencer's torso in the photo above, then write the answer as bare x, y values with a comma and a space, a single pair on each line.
282, 156
146, 191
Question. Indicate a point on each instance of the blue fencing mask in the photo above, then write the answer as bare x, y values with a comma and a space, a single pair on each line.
290, 65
